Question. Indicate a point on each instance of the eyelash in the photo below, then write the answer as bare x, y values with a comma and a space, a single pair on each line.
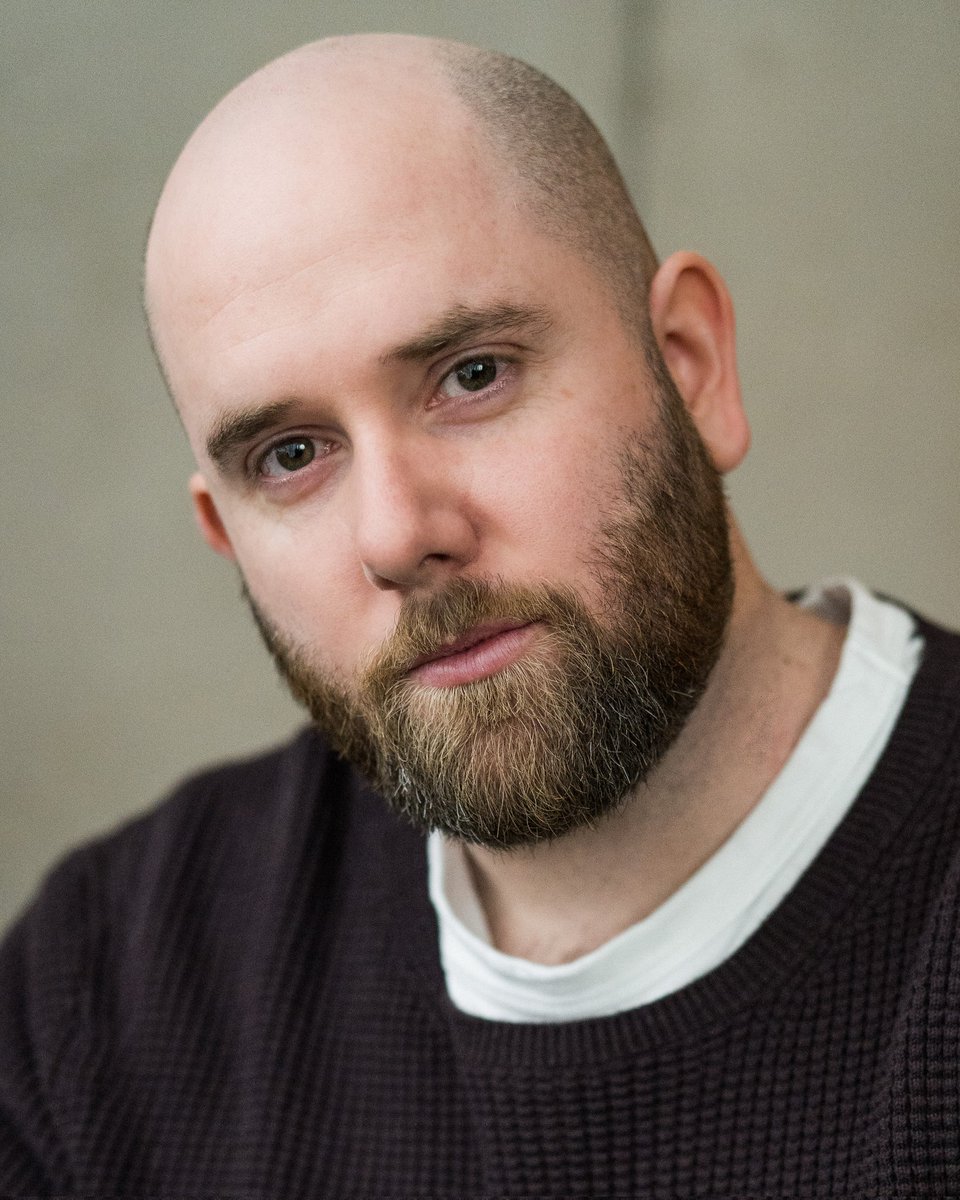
320, 447
503, 366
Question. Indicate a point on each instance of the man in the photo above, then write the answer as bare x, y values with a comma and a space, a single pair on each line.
683, 921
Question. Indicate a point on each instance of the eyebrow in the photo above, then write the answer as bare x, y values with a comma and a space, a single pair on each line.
462, 324
458, 326
233, 430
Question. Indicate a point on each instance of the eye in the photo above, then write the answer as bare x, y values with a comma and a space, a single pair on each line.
472, 375
287, 457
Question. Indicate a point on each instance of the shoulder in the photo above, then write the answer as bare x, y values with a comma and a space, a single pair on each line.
217, 851
184, 921
208, 824
924, 1045
915, 787
941, 653
932, 709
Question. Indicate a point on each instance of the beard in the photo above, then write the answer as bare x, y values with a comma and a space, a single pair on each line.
558, 738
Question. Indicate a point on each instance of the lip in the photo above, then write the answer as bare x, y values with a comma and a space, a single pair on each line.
480, 652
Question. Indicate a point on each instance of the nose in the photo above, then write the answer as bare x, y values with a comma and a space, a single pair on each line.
413, 526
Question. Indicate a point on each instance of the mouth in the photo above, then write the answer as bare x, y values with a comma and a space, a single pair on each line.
480, 652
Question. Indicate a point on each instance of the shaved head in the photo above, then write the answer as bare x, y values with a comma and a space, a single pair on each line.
345, 113
401, 297
566, 171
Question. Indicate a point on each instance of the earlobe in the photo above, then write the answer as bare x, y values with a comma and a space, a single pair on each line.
692, 318
208, 518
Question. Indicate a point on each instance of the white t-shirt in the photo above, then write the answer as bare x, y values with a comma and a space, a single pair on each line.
730, 896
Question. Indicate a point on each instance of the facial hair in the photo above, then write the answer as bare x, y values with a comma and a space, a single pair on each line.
555, 740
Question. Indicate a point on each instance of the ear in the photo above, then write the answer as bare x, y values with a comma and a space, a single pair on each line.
692, 317
208, 518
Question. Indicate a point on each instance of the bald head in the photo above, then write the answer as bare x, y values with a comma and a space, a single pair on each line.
565, 169
364, 123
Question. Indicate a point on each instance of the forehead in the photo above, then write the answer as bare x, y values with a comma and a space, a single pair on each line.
308, 255
273, 179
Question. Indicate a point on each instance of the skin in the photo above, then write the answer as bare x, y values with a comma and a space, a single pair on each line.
308, 243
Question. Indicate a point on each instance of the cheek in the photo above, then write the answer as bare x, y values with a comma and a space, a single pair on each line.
545, 501
302, 583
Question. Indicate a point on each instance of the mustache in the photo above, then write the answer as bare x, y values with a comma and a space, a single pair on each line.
425, 623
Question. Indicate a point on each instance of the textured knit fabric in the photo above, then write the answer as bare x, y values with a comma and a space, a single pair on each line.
240, 995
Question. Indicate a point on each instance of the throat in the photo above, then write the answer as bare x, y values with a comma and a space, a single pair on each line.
557, 901
554, 903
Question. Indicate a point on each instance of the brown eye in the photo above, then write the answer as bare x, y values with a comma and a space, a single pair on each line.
473, 375
289, 456
477, 374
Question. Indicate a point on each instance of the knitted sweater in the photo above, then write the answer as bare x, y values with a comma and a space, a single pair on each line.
240, 995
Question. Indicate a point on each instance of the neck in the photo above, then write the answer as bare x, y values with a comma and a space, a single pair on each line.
554, 902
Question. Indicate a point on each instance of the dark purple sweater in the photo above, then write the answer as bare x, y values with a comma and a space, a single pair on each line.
240, 995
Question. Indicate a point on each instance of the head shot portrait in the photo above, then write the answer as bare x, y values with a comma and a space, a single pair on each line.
612, 846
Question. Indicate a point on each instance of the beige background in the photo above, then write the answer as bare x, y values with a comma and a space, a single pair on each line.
811, 149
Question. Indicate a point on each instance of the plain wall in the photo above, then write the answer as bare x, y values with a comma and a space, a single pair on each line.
811, 150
